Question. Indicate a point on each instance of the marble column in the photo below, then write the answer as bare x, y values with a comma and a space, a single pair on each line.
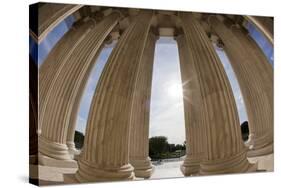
261, 141
255, 77
105, 155
50, 15
56, 59
64, 89
114, 36
194, 130
75, 109
139, 131
225, 151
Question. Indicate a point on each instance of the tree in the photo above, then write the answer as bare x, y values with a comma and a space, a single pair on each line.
172, 147
158, 145
179, 147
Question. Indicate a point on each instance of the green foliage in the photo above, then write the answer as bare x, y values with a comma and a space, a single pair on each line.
172, 148
159, 148
158, 145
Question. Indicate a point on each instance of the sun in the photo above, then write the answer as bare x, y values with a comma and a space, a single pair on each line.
174, 90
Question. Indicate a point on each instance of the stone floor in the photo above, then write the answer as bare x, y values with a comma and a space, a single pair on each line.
171, 169
167, 170
264, 162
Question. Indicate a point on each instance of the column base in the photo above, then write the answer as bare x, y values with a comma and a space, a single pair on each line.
52, 149
259, 146
190, 166
142, 167
234, 164
74, 153
250, 142
70, 179
48, 161
261, 151
97, 173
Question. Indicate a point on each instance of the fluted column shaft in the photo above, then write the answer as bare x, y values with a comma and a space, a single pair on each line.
75, 109
225, 150
262, 137
255, 77
105, 154
194, 130
139, 131
65, 88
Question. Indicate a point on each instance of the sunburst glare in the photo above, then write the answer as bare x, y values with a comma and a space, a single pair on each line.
174, 90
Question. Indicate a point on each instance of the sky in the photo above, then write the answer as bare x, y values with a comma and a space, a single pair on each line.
262, 42
166, 108
41, 51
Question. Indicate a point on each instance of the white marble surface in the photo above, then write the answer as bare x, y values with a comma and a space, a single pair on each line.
167, 170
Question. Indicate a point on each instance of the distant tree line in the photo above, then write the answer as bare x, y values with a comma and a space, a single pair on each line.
159, 147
